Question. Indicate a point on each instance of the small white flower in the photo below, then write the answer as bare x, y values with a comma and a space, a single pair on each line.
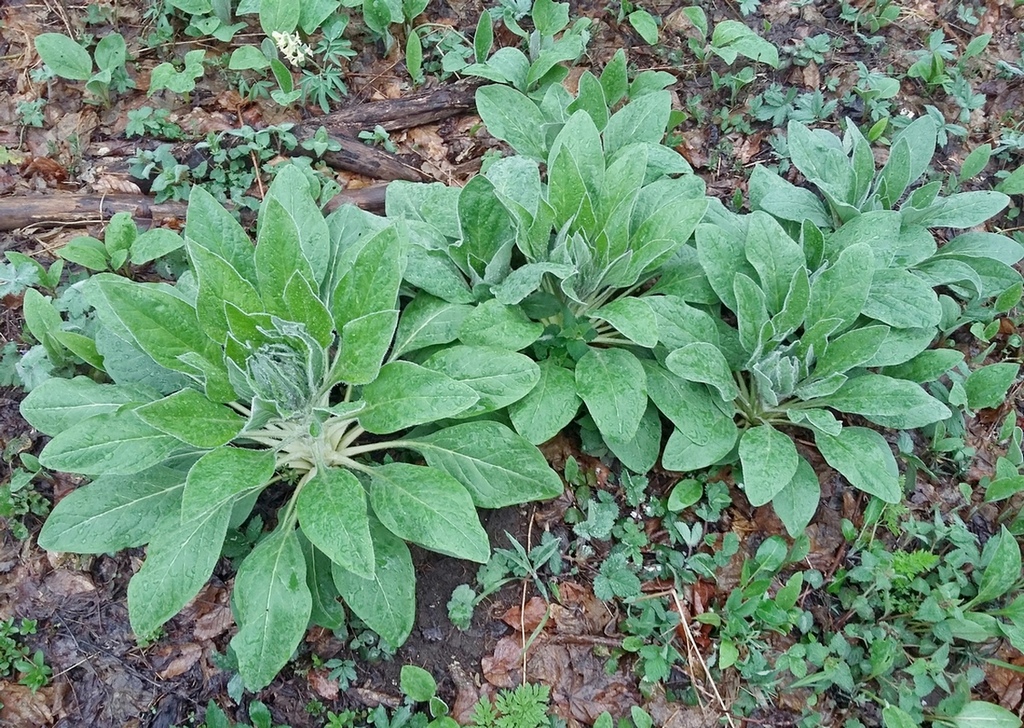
291, 47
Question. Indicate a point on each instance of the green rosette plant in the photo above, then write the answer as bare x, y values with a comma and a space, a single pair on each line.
835, 310
562, 262
273, 369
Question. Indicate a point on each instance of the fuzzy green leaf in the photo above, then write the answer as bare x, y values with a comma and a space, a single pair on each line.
113, 512
864, 458
272, 603
332, 512
387, 602
497, 466
430, 508
613, 385
769, 461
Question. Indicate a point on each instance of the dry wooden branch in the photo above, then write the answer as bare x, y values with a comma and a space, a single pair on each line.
74, 209
407, 112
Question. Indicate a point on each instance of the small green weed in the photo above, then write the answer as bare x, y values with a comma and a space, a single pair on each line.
16, 658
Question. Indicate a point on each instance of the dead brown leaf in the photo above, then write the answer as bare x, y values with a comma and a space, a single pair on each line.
1007, 684
322, 685
171, 661
64, 583
526, 619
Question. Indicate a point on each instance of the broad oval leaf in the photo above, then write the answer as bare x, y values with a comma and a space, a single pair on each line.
864, 458
769, 460
797, 502
114, 443
272, 602
979, 714
551, 404
840, 291
514, 118
494, 324
222, 476
633, 318
1002, 571
428, 321
332, 512
327, 611
986, 387
192, 418
613, 385
167, 329
371, 284
683, 454
406, 394
703, 362
902, 300
887, 401
291, 188
365, 343
66, 57
179, 560
113, 512
210, 226
430, 508
57, 404
641, 453
387, 602
498, 376
498, 467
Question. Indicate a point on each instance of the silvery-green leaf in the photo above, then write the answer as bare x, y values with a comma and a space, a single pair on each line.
112, 443
850, 350
613, 385
272, 603
925, 367
291, 188
427, 321
179, 560
514, 118
192, 418
891, 402
840, 291
633, 318
683, 454
680, 324
430, 508
723, 256
57, 403
704, 362
494, 324
332, 513
113, 512
769, 461
797, 502
902, 300
405, 395
550, 405
222, 476
498, 467
865, 459
641, 453
387, 602
820, 419
209, 225
500, 377
689, 405
902, 345
774, 255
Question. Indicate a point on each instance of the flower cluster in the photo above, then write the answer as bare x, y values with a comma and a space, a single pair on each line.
292, 48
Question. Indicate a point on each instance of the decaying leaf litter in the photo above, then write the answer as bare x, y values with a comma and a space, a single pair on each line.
80, 601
